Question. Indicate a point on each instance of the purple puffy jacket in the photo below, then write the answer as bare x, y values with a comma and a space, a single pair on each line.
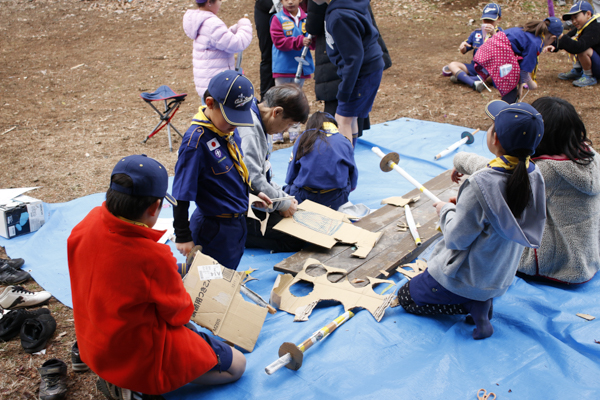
214, 44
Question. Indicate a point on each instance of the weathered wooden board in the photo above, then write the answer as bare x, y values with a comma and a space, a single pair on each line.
394, 248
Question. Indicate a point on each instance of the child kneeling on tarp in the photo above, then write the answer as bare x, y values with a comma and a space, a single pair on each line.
129, 303
498, 211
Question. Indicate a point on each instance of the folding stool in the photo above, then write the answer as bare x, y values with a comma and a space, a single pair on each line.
165, 94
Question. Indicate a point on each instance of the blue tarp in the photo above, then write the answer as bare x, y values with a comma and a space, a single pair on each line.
540, 349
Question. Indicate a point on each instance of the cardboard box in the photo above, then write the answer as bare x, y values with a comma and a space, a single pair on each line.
219, 306
20, 216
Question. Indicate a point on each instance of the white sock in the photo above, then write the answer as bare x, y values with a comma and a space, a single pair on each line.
588, 72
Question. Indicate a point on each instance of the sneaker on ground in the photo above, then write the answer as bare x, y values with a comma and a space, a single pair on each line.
478, 86
54, 380
293, 136
16, 297
78, 365
585, 81
113, 392
278, 138
571, 75
10, 324
453, 79
12, 276
35, 332
446, 71
16, 263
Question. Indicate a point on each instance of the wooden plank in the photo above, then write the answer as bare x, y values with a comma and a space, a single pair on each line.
394, 248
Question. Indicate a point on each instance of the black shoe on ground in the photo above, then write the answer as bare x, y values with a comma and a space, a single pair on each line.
113, 392
10, 324
16, 263
54, 380
12, 276
35, 332
78, 365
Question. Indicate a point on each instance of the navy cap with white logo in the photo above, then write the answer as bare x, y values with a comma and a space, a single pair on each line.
577, 8
555, 26
234, 93
492, 11
150, 178
518, 125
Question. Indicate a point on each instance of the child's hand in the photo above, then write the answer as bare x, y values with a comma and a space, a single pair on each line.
463, 47
455, 176
438, 206
291, 210
548, 49
488, 29
184, 248
452, 200
306, 41
266, 201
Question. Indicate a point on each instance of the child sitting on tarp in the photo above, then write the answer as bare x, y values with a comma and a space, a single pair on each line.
583, 44
570, 248
499, 210
465, 73
129, 303
322, 167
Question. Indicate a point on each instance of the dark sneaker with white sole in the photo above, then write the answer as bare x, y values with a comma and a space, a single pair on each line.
13, 297
10, 324
113, 392
35, 332
12, 276
54, 380
78, 365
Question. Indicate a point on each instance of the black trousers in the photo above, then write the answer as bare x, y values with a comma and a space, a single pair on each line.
274, 240
262, 20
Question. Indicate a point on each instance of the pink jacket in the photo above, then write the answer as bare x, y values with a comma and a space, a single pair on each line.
214, 44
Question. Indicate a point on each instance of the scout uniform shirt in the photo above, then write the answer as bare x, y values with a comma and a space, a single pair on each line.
206, 173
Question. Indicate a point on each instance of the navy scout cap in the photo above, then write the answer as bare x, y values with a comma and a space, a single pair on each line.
234, 93
150, 178
577, 8
518, 125
555, 27
491, 11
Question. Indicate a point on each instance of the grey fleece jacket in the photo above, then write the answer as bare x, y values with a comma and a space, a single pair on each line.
257, 152
483, 242
570, 249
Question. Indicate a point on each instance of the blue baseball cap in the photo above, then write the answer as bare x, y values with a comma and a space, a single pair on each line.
518, 125
491, 11
234, 93
150, 178
555, 27
577, 8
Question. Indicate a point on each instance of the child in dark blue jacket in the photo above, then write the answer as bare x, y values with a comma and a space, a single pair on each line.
322, 168
352, 46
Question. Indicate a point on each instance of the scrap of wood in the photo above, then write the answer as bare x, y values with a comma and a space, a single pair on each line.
399, 201
586, 316
77, 66
403, 226
416, 268
14, 127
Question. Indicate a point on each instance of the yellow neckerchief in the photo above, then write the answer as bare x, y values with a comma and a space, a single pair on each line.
573, 57
506, 163
487, 36
329, 128
594, 17
234, 150
133, 222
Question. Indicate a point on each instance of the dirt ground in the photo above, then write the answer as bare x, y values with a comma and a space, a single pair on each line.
71, 73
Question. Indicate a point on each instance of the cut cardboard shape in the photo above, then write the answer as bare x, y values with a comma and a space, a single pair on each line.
325, 227
263, 223
416, 268
342, 291
219, 306
399, 201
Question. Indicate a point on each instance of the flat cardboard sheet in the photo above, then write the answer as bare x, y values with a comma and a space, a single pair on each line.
325, 227
342, 291
219, 306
